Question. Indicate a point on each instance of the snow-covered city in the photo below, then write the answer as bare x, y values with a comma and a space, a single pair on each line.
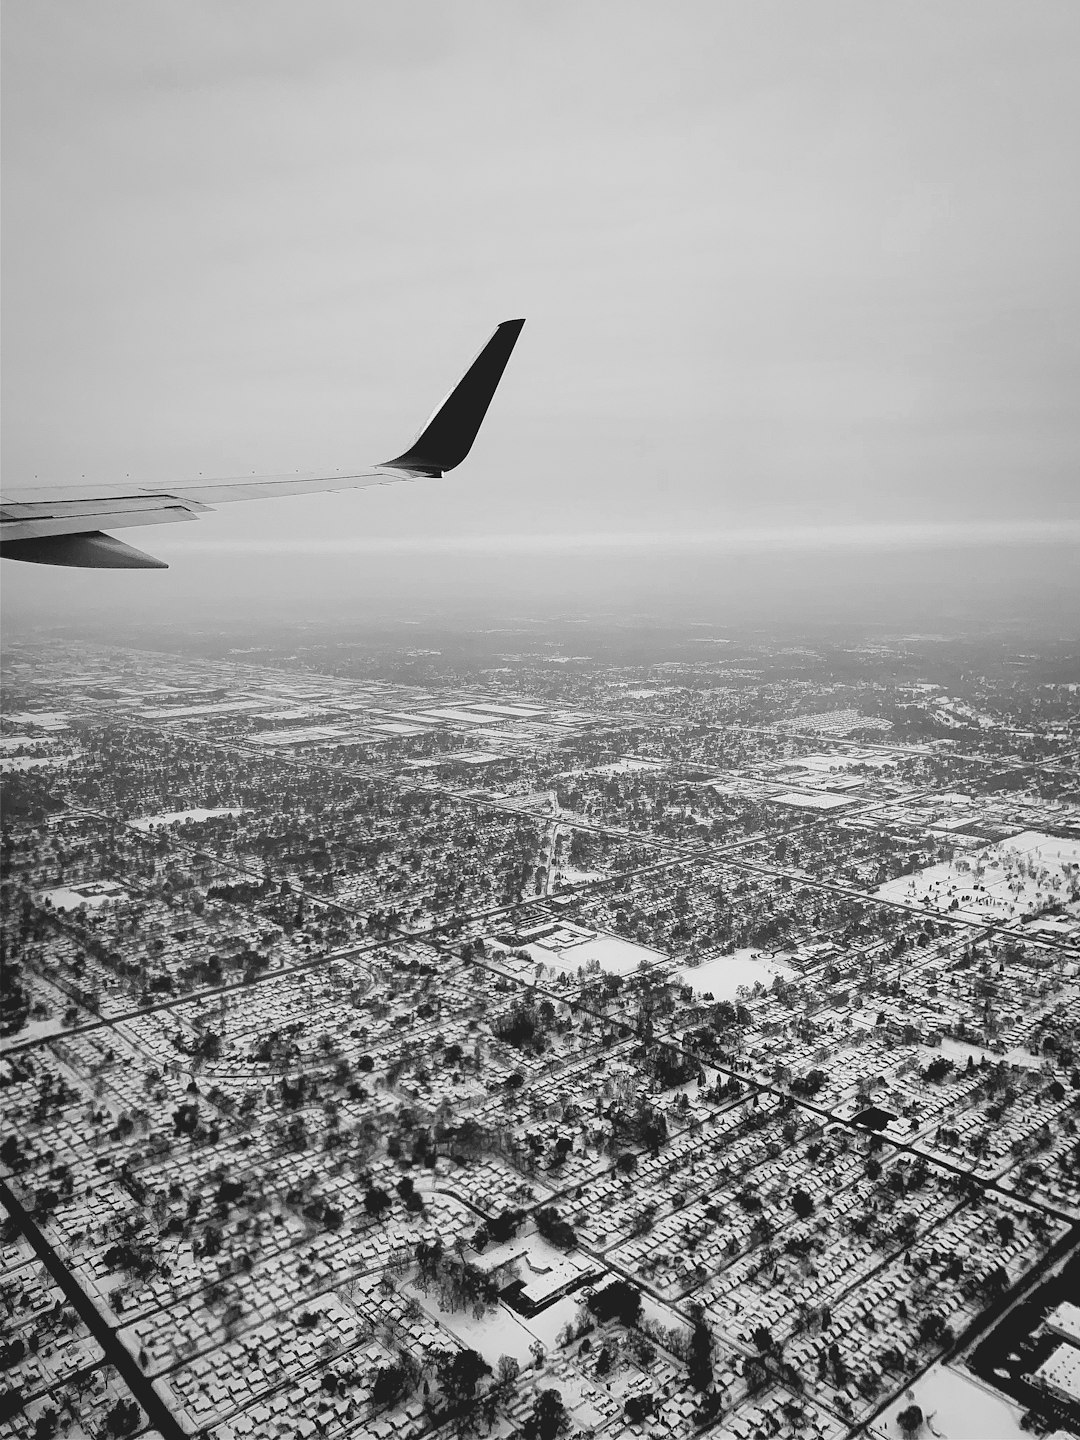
538, 1044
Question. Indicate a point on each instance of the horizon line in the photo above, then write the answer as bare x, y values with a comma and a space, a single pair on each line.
757, 539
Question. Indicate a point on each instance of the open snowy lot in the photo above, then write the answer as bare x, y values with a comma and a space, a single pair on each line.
91, 893
819, 800
847, 760
36, 762
613, 954
722, 976
955, 1406
178, 817
1015, 877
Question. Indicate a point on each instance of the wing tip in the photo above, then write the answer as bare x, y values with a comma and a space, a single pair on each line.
448, 436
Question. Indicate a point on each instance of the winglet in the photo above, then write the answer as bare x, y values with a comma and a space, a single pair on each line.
448, 436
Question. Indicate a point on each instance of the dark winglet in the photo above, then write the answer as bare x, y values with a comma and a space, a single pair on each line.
90, 550
448, 436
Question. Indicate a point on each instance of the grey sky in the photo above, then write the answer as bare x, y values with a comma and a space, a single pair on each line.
782, 264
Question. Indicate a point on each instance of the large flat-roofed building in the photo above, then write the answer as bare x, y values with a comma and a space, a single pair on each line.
1065, 1321
1059, 1375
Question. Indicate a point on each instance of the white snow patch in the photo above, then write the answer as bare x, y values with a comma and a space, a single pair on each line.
956, 1407
815, 801
1006, 880
499, 1332
36, 762
615, 955
177, 817
92, 893
723, 975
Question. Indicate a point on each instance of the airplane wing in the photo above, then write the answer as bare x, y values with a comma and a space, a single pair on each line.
66, 526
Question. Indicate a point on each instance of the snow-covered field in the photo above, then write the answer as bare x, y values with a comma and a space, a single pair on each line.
36, 762
956, 1406
627, 764
1002, 881
91, 893
307, 735
10, 743
33, 1030
499, 1332
462, 757
459, 717
514, 712
847, 760
40, 719
209, 707
723, 975
571, 876
615, 955
177, 817
816, 801
571, 947
959, 1050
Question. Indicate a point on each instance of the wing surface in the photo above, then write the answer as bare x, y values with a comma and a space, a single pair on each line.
65, 526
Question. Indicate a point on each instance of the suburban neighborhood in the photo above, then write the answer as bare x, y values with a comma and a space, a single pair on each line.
538, 1044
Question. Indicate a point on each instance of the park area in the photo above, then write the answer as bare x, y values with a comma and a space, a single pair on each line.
723, 975
1015, 878
953, 1406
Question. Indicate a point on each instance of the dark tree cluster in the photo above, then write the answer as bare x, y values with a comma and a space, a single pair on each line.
618, 1301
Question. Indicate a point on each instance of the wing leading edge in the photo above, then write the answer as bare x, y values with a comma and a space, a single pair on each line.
65, 527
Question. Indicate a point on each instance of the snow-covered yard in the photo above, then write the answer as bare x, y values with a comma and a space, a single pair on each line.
613, 954
91, 893
499, 1332
956, 1407
723, 975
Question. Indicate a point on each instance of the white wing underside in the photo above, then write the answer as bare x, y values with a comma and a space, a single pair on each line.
64, 526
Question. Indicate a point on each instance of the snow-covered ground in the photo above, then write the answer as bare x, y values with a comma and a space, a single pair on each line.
33, 1030
819, 800
10, 743
627, 764
91, 893
956, 1406
1003, 881
959, 1050
36, 762
177, 817
846, 760
459, 717
615, 955
462, 757
547, 1325
40, 719
571, 876
306, 735
208, 707
499, 1332
723, 975
514, 712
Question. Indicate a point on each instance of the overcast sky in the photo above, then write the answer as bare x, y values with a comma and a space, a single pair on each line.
783, 265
